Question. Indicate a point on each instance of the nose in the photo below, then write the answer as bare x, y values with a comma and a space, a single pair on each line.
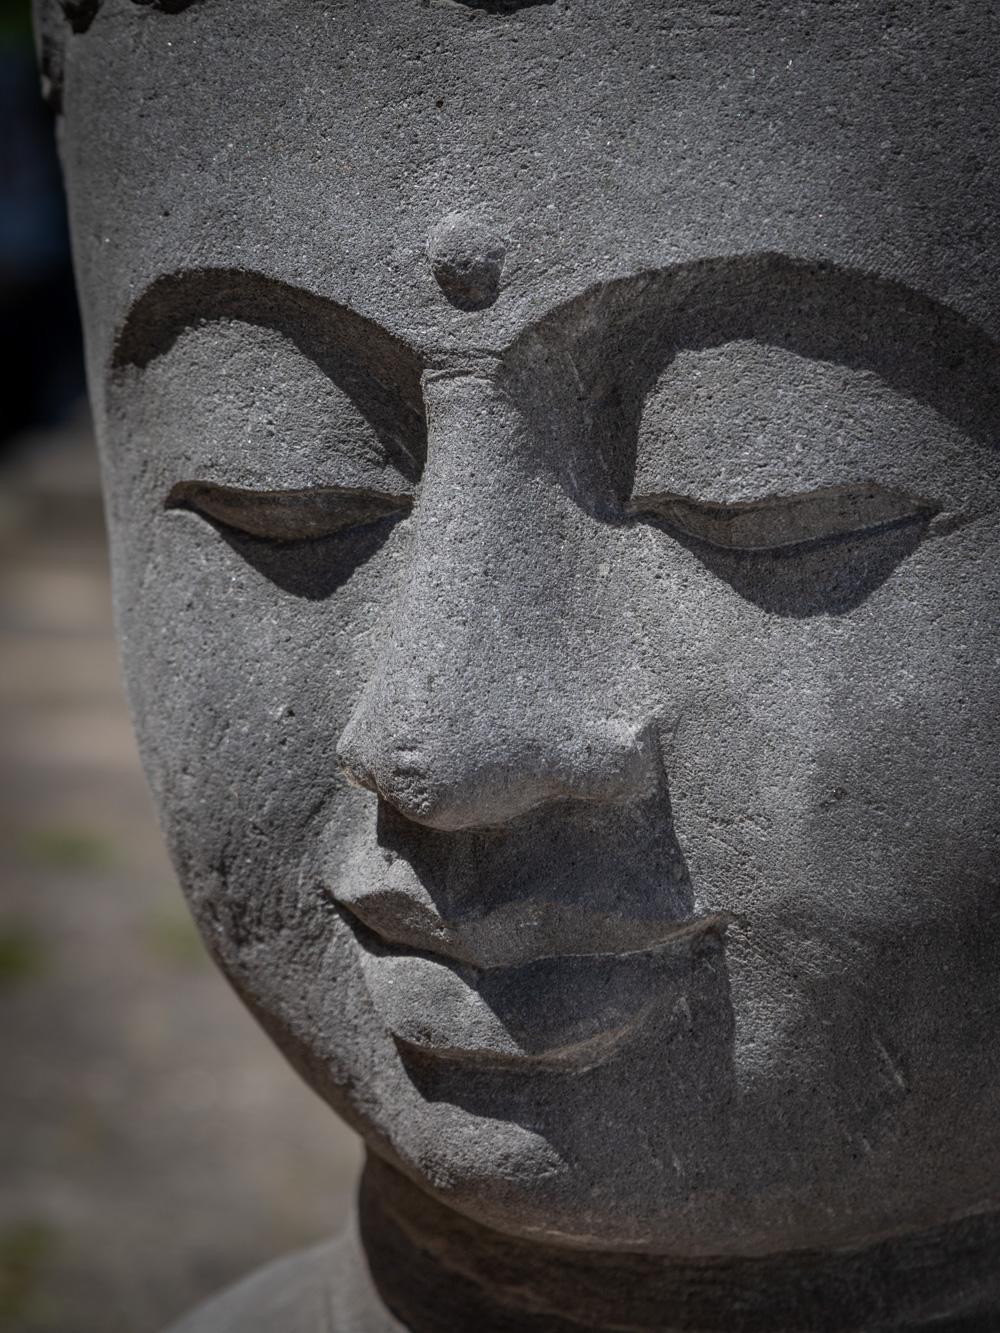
495, 690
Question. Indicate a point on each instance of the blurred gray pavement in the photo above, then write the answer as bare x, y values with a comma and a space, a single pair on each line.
153, 1145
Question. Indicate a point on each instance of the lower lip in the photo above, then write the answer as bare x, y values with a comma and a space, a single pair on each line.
573, 1012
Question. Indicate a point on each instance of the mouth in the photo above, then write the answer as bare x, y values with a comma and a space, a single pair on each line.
566, 1010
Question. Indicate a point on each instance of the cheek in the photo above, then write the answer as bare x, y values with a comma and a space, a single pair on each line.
839, 748
835, 783
241, 688
915, 742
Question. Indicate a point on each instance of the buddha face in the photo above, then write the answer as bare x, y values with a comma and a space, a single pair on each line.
557, 574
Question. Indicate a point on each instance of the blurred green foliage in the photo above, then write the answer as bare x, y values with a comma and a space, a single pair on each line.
65, 849
22, 953
24, 1248
173, 939
15, 21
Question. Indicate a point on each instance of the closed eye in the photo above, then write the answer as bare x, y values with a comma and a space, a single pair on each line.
287, 516
774, 522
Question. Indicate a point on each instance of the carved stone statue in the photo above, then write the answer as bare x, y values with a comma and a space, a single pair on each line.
552, 475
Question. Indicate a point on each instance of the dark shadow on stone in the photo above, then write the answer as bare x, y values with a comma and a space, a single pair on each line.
80, 14
439, 1271
167, 6
314, 568
563, 853
502, 7
830, 577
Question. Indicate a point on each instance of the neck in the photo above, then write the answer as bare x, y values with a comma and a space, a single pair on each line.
437, 1271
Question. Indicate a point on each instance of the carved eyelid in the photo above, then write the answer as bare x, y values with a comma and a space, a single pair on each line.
776, 521
287, 516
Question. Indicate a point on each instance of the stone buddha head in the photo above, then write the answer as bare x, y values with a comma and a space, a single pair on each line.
552, 479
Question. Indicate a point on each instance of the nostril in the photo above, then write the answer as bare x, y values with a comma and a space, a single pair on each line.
409, 791
397, 773
404, 784
414, 786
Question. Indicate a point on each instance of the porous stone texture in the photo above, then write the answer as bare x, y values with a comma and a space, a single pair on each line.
573, 707
467, 259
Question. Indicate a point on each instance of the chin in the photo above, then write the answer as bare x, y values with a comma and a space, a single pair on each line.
737, 1152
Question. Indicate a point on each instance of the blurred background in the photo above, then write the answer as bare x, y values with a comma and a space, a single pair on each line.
153, 1145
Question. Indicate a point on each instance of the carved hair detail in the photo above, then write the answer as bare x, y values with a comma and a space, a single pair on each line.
80, 14
52, 17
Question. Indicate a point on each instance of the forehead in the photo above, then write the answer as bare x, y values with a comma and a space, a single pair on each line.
317, 144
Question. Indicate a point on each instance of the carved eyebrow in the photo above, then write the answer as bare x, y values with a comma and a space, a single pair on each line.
921, 347
379, 372
287, 516
175, 302
787, 520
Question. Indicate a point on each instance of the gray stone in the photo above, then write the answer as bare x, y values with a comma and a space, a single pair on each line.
467, 259
552, 477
